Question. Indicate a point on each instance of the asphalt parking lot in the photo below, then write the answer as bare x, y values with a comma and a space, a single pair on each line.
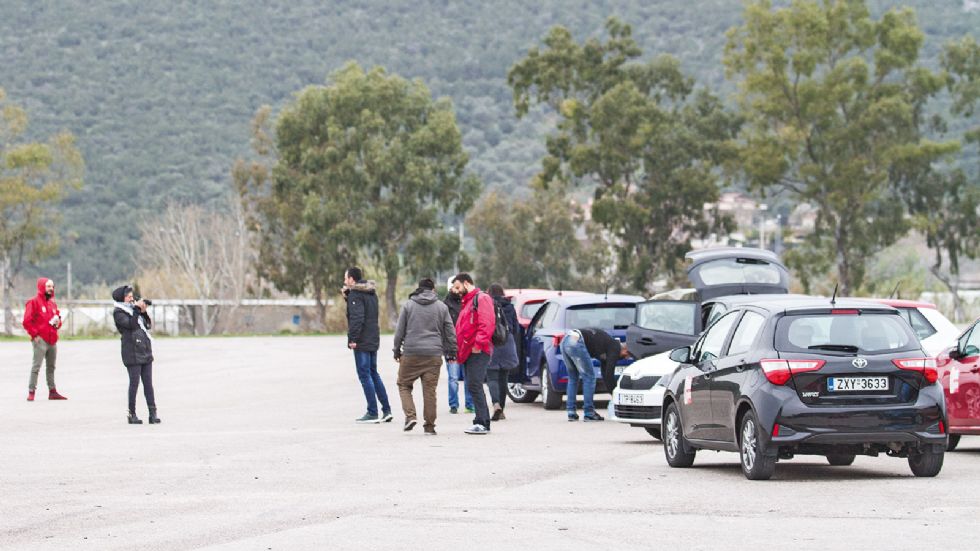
258, 450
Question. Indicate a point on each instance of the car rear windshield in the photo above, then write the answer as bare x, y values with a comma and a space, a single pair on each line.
603, 316
845, 333
672, 317
732, 271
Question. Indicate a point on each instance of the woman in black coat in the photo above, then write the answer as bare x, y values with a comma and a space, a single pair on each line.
504, 357
133, 324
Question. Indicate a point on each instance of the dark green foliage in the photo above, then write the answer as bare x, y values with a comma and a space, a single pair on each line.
160, 95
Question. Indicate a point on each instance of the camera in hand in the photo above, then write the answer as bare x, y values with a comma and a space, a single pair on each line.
146, 301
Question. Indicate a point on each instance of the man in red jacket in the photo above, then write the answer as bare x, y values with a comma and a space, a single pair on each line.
42, 319
474, 340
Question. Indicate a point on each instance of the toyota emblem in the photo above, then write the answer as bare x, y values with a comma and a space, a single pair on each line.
859, 363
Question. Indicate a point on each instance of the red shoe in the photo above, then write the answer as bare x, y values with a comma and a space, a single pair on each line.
53, 395
30, 395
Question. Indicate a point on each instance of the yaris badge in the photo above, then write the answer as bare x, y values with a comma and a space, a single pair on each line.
859, 363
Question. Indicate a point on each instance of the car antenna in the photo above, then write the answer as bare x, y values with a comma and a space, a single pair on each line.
895, 290
833, 299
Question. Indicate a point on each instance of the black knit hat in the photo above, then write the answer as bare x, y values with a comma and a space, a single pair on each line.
119, 295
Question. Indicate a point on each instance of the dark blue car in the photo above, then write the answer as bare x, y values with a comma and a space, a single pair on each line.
544, 371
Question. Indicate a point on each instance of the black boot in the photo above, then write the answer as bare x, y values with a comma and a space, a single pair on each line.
154, 420
133, 419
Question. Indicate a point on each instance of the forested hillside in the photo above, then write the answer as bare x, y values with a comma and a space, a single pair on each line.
160, 95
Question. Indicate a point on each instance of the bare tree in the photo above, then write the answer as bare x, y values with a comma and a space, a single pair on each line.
200, 254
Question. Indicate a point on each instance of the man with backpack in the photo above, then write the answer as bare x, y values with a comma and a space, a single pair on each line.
474, 337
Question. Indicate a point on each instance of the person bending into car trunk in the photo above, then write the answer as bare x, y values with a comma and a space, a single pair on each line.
577, 349
474, 339
133, 324
504, 357
423, 336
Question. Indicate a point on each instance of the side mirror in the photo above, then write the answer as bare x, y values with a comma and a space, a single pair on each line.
970, 351
681, 355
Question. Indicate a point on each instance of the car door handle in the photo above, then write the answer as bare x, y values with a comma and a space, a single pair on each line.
740, 368
975, 370
647, 341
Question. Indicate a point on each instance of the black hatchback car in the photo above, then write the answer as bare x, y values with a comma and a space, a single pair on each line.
778, 376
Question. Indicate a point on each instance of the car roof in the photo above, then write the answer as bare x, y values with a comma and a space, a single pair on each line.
796, 303
901, 303
539, 294
592, 298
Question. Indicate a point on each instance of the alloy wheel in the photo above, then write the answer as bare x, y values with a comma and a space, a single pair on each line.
750, 445
517, 390
673, 435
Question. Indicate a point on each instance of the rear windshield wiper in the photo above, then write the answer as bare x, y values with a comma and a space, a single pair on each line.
834, 347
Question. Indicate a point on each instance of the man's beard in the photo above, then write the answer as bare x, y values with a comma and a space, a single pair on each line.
48, 294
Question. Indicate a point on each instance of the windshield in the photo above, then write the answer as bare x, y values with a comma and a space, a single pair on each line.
603, 316
845, 333
730, 271
672, 317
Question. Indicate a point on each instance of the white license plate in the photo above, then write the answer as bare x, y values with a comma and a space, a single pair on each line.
631, 399
856, 384
619, 369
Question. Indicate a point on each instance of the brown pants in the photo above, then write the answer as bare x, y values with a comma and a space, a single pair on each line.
43, 353
426, 368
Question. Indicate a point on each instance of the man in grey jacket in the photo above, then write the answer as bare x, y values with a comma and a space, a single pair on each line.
425, 334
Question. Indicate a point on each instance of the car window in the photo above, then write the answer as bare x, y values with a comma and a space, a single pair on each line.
715, 310
727, 271
923, 329
672, 317
746, 333
603, 316
713, 341
539, 323
865, 333
530, 308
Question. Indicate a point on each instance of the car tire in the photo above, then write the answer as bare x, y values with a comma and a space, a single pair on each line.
756, 465
521, 395
925, 464
654, 432
840, 459
954, 440
675, 448
550, 396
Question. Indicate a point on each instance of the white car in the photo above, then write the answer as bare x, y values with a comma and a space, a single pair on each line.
935, 332
638, 398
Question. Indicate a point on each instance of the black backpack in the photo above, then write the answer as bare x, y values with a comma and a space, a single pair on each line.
500, 323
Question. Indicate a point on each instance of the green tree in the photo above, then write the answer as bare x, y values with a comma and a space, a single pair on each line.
832, 99
367, 164
650, 141
33, 178
523, 243
941, 198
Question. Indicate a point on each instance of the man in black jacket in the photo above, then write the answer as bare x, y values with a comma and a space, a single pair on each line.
364, 338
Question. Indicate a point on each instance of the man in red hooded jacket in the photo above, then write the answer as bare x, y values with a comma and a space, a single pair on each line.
474, 340
42, 319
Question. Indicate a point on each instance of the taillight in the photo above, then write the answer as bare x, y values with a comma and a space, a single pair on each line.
557, 339
775, 430
842, 312
779, 371
942, 427
926, 366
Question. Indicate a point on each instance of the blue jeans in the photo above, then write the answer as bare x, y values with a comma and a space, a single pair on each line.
455, 372
374, 388
578, 362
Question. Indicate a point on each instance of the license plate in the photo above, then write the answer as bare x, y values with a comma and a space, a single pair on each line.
619, 369
631, 399
856, 384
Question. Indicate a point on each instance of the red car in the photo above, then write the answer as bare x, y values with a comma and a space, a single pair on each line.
527, 302
959, 371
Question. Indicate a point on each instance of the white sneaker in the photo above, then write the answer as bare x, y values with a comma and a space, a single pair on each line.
477, 429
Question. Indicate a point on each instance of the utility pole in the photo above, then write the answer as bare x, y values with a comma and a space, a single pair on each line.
71, 306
